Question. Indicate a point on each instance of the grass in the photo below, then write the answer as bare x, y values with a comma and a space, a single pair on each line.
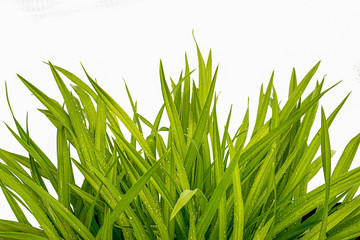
185, 180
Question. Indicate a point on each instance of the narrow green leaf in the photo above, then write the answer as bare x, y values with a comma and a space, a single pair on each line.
326, 159
183, 199
64, 167
297, 92
172, 114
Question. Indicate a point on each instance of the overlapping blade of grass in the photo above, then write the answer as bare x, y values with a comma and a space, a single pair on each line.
72, 77
297, 92
241, 158
77, 122
114, 107
42, 162
199, 131
129, 196
19, 214
50, 103
304, 162
31, 200
11, 226
60, 209
311, 200
89, 109
111, 195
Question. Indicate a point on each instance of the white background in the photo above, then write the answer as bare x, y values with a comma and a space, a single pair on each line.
121, 39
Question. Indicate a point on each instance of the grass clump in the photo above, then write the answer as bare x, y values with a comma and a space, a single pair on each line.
184, 180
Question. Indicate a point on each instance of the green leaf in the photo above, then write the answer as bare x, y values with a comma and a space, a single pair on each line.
64, 167
183, 199
326, 159
173, 114
19, 236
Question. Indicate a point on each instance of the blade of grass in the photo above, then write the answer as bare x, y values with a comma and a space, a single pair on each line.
326, 160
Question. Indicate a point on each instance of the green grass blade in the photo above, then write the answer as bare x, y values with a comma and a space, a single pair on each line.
77, 81
31, 200
263, 233
346, 157
89, 109
11, 226
77, 121
183, 199
19, 214
326, 159
50, 103
219, 171
132, 191
263, 106
20, 236
200, 128
239, 211
173, 115
64, 168
297, 92
185, 105
33, 152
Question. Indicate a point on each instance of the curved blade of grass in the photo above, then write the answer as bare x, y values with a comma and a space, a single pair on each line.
77, 81
77, 121
19, 214
183, 199
50, 103
346, 157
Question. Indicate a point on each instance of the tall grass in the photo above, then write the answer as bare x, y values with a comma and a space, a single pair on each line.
184, 180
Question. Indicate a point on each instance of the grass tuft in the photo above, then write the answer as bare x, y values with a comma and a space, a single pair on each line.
184, 180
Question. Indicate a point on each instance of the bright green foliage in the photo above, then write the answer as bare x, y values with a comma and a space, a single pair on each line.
192, 179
